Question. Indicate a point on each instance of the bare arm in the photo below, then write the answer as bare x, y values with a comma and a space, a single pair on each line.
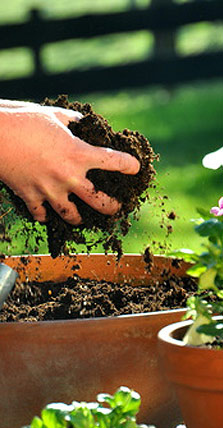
15, 104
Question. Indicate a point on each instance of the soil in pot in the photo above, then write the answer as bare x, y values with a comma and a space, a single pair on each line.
86, 298
130, 190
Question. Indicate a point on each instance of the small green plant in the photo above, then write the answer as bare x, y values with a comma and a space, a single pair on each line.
208, 268
110, 411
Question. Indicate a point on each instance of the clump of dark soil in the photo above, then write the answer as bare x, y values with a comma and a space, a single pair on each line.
131, 191
85, 298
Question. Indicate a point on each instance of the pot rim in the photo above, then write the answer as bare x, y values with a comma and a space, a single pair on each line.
113, 255
166, 334
108, 319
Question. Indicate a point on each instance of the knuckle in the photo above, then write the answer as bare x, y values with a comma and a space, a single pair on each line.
128, 164
120, 159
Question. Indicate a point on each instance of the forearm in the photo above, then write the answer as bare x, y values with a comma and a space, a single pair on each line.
7, 139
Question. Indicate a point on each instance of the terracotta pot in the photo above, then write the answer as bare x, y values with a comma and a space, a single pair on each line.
196, 375
76, 359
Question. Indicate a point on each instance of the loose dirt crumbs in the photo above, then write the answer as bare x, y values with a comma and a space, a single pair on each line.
84, 298
130, 190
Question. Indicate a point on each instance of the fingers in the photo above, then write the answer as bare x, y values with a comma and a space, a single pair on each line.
67, 210
103, 158
37, 210
113, 160
97, 200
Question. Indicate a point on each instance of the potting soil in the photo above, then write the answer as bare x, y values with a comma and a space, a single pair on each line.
130, 190
79, 298
84, 298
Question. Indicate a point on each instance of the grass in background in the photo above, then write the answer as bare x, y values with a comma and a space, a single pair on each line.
182, 124
18, 10
98, 51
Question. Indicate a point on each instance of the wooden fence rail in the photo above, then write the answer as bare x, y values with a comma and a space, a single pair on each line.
163, 18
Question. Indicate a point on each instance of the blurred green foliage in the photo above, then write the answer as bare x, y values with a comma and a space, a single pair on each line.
182, 124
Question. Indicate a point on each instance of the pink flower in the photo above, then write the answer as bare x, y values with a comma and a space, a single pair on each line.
218, 211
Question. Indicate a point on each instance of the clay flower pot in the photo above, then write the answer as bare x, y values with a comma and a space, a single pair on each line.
42, 362
196, 374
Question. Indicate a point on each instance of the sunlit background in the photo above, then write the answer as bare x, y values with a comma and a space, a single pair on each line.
183, 122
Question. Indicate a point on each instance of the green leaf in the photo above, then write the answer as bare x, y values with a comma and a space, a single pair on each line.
37, 423
196, 270
183, 253
103, 417
128, 400
193, 302
82, 417
124, 405
208, 257
220, 294
207, 280
192, 308
53, 418
212, 227
205, 214
213, 240
193, 335
197, 306
214, 329
217, 307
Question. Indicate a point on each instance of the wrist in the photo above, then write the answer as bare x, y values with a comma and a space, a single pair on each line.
7, 143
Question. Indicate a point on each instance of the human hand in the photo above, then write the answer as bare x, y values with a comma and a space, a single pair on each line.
41, 160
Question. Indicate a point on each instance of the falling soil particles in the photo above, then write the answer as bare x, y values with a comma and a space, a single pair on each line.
86, 298
130, 190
